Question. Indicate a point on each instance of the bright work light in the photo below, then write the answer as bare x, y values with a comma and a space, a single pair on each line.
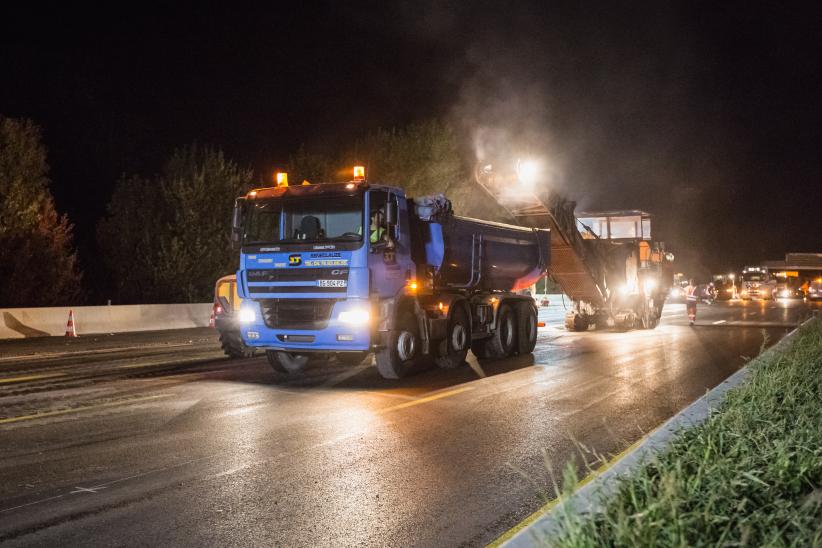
353, 317
247, 315
528, 171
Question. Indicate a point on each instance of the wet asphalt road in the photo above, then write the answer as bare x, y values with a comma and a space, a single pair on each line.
155, 439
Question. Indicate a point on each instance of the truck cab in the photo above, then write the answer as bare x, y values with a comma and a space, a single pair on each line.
757, 283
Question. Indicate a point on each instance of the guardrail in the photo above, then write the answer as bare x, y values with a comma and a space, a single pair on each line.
18, 323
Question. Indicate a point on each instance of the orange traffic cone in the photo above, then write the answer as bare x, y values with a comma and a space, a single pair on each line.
70, 329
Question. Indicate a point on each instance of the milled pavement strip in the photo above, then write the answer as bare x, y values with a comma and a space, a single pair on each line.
32, 377
33, 416
47, 355
603, 482
94, 371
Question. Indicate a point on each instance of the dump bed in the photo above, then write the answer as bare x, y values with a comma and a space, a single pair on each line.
480, 255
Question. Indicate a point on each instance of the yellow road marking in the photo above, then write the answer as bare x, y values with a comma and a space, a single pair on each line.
437, 396
545, 508
78, 409
32, 377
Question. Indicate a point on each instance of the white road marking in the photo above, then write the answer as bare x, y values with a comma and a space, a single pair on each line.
719, 322
85, 490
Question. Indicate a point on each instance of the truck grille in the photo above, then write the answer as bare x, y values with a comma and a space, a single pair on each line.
297, 274
307, 314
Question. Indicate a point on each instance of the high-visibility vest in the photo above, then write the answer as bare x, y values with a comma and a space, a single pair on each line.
690, 293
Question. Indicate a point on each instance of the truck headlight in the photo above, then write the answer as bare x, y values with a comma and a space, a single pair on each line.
247, 315
354, 317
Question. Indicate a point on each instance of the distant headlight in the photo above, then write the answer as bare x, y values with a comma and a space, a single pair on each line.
650, 285
785, 293
354, 317
247, 315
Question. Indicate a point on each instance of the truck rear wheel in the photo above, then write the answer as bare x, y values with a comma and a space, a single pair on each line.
287, 362
233, 345
503, 342
399, 348
453, 350
526, 328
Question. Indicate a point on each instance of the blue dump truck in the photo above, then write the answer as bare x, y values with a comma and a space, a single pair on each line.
348, 269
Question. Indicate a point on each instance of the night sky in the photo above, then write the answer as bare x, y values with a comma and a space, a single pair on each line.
707, 115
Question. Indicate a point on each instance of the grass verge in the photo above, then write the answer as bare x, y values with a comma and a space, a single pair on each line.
750, 475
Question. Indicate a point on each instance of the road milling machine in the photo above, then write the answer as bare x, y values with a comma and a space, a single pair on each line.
606, 262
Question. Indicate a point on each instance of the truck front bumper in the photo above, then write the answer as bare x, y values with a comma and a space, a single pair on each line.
336, 336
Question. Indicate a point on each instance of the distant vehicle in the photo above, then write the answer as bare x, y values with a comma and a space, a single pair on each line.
226, 305
787, 291
544, 301
725, 287
757, 283
815, 290
677, 292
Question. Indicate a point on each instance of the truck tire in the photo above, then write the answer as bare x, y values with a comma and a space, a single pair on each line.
504, 340
351, 358
399, 349
453, 350
526, 328
233, 345
287, 362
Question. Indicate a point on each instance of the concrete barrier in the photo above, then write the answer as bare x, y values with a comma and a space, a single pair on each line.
17, 323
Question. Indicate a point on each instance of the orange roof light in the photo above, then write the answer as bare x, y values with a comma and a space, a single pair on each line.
282, 178
359, 173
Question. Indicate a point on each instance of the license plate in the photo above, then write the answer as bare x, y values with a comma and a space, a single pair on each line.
332, 283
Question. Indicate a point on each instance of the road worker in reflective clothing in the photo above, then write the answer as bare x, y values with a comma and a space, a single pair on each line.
377, 227
691, 297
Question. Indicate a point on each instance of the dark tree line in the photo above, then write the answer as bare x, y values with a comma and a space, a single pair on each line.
166, 238
38, 263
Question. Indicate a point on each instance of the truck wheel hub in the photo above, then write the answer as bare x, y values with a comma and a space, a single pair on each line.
406, 345
458, 337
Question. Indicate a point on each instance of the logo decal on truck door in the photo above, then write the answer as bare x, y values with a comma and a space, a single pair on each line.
295, 260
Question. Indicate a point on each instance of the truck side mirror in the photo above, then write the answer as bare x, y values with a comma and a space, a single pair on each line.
391, 213
237, 220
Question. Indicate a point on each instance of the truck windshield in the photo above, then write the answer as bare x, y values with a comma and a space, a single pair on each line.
753, 276
309, 221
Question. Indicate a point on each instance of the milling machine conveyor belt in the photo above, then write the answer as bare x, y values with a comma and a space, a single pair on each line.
573, 266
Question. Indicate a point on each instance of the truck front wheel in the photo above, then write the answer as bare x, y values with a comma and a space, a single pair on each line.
286, 362
504, 340
453, 350
399, 348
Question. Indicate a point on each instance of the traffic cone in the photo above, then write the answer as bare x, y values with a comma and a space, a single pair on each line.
211, 320
70, 329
